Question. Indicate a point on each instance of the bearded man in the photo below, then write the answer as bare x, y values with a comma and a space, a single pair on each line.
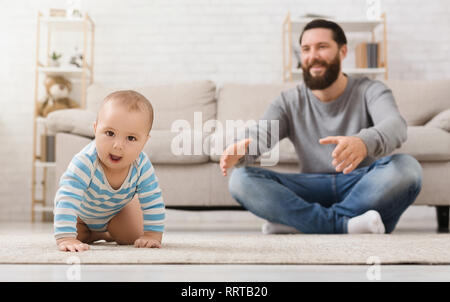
343, 129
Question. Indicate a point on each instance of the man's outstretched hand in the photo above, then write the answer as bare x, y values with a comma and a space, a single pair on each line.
232, 154
349, 152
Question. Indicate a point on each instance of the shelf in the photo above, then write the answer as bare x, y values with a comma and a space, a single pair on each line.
347, 25
83, 27
41, 208
67, 24
40, 164
67, 71
362, 71
41, 120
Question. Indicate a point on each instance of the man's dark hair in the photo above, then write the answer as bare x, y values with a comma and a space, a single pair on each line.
338, 33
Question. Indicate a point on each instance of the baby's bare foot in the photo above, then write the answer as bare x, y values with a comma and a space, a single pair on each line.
107, 237
96, 236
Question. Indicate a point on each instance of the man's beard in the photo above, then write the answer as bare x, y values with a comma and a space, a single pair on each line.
323, 81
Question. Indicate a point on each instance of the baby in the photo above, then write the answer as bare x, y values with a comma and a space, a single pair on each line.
95, 200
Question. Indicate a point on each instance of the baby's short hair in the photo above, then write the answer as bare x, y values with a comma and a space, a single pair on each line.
133, 100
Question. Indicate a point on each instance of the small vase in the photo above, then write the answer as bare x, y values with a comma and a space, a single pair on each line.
53, 63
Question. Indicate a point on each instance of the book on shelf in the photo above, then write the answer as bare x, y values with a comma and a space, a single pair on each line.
47, 148
367, 55
297, 53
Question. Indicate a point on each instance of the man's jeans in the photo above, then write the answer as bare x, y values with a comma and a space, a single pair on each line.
323, 203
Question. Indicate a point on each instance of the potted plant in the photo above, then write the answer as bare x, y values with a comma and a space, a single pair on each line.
54, 59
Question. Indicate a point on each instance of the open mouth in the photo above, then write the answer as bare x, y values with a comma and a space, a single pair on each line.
114, 158
317, 70
317, 66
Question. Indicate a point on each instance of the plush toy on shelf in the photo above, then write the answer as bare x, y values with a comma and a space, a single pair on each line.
77, 58
57, 95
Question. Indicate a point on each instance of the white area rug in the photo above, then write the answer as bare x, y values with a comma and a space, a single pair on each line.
219, 248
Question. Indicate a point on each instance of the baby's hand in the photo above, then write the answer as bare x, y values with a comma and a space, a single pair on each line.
147, 241
71, 245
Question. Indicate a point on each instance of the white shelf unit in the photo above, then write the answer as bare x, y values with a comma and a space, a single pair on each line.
65, 71
85, 75
43, 164
43, 209
295, 26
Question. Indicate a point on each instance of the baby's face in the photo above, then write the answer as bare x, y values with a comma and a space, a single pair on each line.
120, 135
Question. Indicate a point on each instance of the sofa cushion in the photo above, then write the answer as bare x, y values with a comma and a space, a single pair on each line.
166, 147
442, 120
170, 102
427, 144
419, 101
285, 149
423, 143
247, 102
76, 121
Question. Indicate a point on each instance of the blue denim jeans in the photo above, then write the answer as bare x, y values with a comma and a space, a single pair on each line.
323, 203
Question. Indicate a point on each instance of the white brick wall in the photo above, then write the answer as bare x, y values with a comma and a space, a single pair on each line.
156, 41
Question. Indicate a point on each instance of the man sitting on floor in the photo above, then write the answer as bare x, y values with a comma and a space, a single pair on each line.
343, 129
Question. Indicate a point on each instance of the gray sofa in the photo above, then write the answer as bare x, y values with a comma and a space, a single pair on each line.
194, 181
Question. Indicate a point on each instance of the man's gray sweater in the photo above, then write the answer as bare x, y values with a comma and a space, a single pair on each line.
366, 109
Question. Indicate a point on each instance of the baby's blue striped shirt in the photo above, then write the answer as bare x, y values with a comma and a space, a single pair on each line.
84, 191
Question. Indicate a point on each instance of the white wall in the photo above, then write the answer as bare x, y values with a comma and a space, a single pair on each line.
155, 41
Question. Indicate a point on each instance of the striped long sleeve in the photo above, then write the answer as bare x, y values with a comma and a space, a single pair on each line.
72, 187
150, 196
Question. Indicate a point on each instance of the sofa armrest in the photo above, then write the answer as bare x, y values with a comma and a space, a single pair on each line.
442, 120
75, 121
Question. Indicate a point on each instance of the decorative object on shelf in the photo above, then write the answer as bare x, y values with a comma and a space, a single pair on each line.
373, 9
54, 59
77, 58
58, 89
57, 12
74, 9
